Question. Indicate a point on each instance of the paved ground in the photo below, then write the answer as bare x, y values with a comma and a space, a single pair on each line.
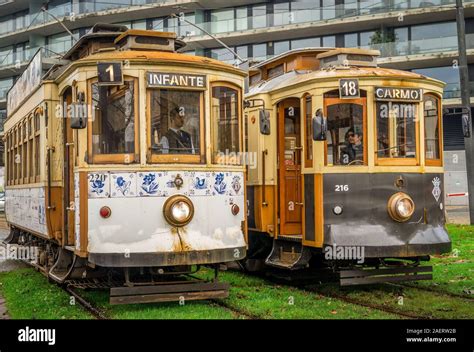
457, 214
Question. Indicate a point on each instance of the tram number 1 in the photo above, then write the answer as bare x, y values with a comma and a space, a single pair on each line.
349, 88
110, 73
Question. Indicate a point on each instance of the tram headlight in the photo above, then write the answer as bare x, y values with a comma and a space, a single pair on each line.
178, 210
400, 207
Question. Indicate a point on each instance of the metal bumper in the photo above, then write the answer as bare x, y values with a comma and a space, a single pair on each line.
379, 242
167, 259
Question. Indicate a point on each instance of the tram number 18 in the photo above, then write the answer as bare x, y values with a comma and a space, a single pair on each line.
349, 88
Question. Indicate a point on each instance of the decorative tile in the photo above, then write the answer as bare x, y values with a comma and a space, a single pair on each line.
199, 183
170, 178
219, 184
235, 183
148, 183
123, 185
99, 185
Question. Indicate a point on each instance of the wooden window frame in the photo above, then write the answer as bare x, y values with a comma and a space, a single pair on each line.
31, 146
24, 152
227, 160
37, 134
308, 162
434, 162
177, 158
334, 101
134, 158
382, 161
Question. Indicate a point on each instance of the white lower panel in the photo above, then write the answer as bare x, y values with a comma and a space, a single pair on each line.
137, 225
25, 207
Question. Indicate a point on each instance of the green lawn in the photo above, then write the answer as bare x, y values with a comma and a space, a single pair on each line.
30, 296
454, 272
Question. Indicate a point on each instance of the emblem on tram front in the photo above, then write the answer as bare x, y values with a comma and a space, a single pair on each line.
436, 188
236, 184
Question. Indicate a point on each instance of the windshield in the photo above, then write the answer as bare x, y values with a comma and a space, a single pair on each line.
396, 130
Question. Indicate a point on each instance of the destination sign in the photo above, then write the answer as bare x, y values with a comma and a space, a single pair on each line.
167, 79
400, 94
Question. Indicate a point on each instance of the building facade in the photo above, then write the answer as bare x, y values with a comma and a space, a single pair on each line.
416, 35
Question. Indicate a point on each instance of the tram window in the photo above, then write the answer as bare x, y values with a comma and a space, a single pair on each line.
37, 146
345, 136
308, 130
175, 122
225, 122
113, 126
432, 128
396, 130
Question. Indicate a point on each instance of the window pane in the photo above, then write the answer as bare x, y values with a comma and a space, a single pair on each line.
242, 18
175, 121
259, 18
345, 134
329, 41
225, 116
431, 127
281, 47
396, 130
309, 129
281, 13
113, 129
350, 40
259, 51
222, 21
306, 43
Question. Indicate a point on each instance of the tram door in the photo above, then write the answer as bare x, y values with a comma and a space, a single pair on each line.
68, 172
289, 167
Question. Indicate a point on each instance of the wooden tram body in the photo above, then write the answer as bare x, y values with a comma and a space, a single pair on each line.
350, 159
120, 189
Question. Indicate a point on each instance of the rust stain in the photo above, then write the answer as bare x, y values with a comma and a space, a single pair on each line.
179, 243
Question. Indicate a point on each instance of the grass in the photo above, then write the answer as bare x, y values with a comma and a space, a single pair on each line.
262, 299
454, 272
29, 295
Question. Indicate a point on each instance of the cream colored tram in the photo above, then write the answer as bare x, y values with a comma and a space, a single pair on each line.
350, 167
123, 166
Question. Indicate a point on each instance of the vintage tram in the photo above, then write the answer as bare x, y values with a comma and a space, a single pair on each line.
121, 166
350, 166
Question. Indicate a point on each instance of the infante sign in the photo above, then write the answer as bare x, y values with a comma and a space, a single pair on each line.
162, 79
400, 94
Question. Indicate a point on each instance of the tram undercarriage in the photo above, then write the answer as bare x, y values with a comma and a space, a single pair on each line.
138, 284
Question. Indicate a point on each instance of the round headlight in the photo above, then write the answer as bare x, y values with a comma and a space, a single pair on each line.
400, 207
178, 210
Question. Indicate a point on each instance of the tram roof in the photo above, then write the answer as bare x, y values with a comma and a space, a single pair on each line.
297, 77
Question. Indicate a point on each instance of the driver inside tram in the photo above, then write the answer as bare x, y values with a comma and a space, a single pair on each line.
176, 140
352, 149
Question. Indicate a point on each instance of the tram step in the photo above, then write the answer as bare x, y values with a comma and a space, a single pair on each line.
288, 255
373, 276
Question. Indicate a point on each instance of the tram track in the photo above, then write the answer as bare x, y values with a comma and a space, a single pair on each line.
96, 312
344, 298
367, 305
431, 290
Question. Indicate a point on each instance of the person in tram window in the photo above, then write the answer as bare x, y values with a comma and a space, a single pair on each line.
353, 148
176, 140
